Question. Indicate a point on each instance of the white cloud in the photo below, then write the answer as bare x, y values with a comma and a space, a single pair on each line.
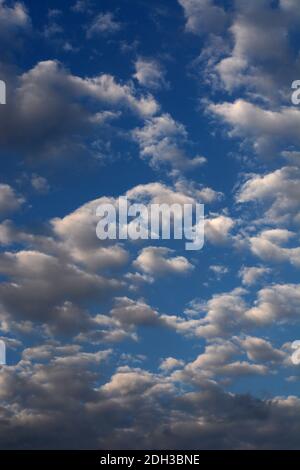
217, 229
260, 350
182, 192
9, 200
203, 16
261, 44
280, 302
66, 378
160, 141
131, 312
39, 283
268, 247
49, 107
77, 233
104, 24
217, 360
268, 131
159, 261
13, 18
278, 190
251, 275
150, 74
219, 270
39, 183
170, 363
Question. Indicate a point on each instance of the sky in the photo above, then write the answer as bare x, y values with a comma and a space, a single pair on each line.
144, 345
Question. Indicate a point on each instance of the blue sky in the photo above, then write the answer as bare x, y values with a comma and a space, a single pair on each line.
160, 101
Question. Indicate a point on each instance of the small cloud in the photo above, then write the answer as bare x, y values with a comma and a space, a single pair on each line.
150, 74
9, 200
104, 24
40, 184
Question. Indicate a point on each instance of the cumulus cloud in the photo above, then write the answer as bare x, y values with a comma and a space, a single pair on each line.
132, 312
268, 246
260, 350
40, 184
260, 34
217, 229
160, 142
67, 268
14, 18
149, 73
45, 115
229, 313
9, 200
59, 283
158, 261
279, 302
268, 131
220, 316
203, 16
278, 191
104, 24
219, 270
39, 283
170, 363
250, 275
65, 379
218, 360
182, 192
77, 234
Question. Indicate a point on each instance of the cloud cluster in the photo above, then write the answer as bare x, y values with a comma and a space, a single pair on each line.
49, 405
48, 113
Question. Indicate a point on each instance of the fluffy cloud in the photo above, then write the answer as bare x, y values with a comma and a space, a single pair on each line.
77, 234
158, 261
278, 191
170, 363
261, 44
160, 141
120, 323
229, 313
40, 184
251, 275
67, 382
217, 360
219, 270
268, 247
276, 303
203, 16
104, 24
219, 317
150, 74
268, 131
39, 283
9, 200
217, 229
131, 312
45, 115
260, 350
182, 192
14, 18
59, 283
